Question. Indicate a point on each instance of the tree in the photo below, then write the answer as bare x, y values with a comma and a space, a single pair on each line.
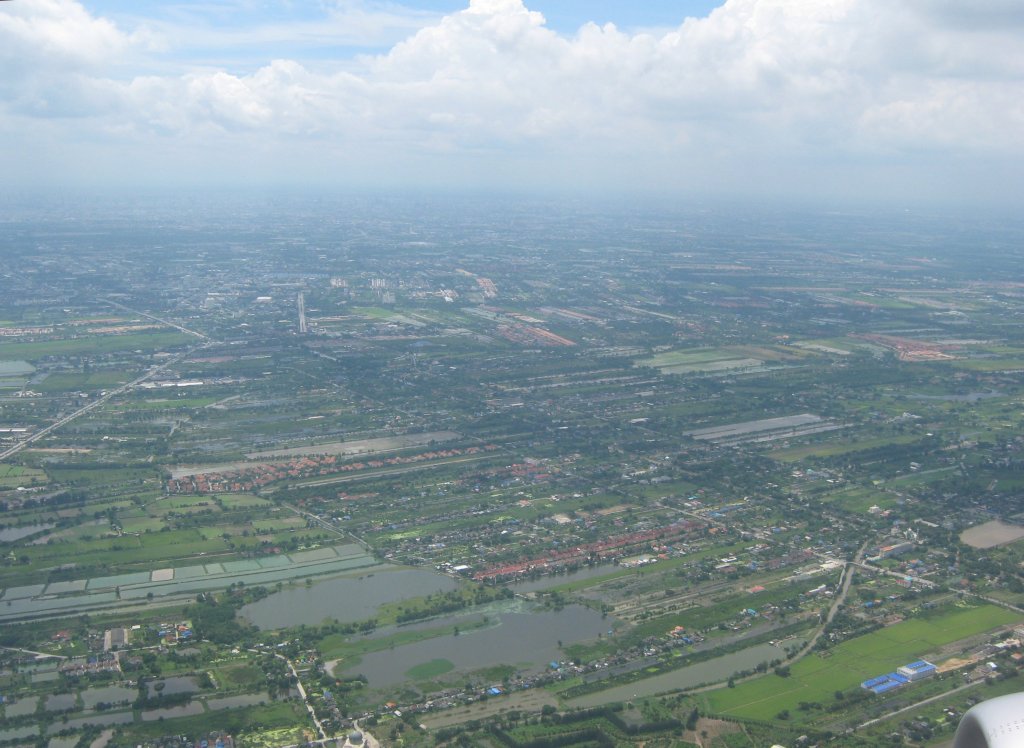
691, 721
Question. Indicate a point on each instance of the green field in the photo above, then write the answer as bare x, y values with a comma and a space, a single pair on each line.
832, 449
850, 663
241, 500
93, 345
372, 312
12, 476
698, 360
183, 504
95, 475
990, 364
68, 382
860, 500
432, 669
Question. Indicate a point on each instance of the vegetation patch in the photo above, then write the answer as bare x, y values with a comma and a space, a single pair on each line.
432, 669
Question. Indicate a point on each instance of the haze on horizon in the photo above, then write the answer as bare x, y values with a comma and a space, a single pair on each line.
846, 99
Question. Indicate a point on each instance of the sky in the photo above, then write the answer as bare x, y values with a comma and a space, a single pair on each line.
849, 100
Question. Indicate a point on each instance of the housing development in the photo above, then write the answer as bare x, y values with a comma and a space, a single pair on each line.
472, 472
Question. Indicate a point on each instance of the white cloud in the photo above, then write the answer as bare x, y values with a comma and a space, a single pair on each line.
56, 34
756, 84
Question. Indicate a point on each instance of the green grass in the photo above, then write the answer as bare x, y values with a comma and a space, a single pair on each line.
141, 525
989, 364
850, 663
93, 345
831, 449
162, 403
860, 500
432, 669
99, 475
699, 359
183, 503
12, 476
372, 312
68, 382
241, 501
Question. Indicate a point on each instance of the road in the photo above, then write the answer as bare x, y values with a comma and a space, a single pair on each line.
840, 598
901, 577
161, 320
305, 699
918, 704
33, 652
844, 589
64, 420
329, 526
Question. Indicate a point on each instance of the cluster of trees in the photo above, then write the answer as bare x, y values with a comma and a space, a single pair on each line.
216, 621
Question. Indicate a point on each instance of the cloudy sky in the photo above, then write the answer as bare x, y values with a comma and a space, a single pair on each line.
906, 100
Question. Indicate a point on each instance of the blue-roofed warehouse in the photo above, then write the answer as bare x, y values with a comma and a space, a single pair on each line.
884, 683
917, 670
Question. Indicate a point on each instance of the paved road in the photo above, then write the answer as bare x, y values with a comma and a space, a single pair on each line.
889, 572
840, 598
305, 699
94, 404
161, 320
844, 589
921, 703
33, 652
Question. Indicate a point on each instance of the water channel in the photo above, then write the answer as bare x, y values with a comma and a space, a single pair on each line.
709, 671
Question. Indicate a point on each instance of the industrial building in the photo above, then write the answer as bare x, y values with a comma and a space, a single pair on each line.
909, 673
917, 670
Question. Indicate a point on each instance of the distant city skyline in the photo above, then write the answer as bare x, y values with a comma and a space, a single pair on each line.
843, 100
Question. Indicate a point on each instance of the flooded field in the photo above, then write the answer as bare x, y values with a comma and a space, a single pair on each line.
345, 599
361, 446
19, 733
11, 534
710, 671
21, 707
233, 702
59, 702
99, 720
186, 710
525, 639
172, 686
110, 591
108, 695
992, 534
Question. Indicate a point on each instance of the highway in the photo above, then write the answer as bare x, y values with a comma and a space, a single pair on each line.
64, 420
161, 320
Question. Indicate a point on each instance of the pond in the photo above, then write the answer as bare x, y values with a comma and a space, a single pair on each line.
98, 720
170, 686
61, 702
233, 702
346, 599
185, 710
527, 640
108, 695
992, 534
11, 534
